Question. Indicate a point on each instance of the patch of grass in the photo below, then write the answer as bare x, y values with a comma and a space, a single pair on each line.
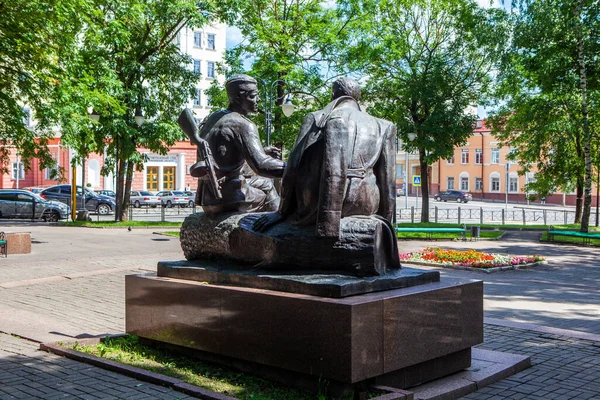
448, 236
172, 233
120, 224
128, 350
568, 239
484, 226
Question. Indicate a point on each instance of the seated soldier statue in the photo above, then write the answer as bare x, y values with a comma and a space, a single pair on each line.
337, 197
234, 171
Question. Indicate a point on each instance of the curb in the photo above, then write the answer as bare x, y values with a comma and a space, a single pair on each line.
481, 270
387, 393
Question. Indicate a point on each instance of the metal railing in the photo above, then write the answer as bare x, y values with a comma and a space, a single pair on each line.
480, 215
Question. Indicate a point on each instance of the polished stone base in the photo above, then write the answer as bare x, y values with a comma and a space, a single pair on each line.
348, 340
321, 284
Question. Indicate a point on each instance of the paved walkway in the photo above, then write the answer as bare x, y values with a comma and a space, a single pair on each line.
72, 286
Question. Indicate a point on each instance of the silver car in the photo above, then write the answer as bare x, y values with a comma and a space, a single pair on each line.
22, 203
170, 198
140, 198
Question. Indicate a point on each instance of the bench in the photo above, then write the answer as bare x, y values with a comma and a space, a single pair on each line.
3, 244
430, 231
586, 237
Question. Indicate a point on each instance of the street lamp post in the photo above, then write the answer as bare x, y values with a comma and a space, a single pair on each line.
411, 137
287, 107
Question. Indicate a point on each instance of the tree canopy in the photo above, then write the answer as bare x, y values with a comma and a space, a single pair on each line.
548, 96
424, 63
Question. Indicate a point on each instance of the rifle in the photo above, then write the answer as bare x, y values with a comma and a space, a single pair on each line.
205, 166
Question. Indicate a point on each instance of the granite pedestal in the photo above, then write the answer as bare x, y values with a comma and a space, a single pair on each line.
399, 337
18, 242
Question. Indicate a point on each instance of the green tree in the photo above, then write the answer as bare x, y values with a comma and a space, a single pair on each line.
33, 34
549, 93
127, 61
289, 41
425, 63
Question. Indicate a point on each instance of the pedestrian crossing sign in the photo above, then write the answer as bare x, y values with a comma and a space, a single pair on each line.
416, 180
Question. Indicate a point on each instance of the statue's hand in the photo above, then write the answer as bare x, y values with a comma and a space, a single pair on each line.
273, 152
266, 221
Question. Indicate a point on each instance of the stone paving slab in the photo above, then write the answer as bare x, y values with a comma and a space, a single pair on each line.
26, 373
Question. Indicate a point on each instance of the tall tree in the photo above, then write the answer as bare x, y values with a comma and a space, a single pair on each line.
548, 90
128, 61
291, 41
32, 34
425, 63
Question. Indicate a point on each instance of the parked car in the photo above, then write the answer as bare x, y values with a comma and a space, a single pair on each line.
33, 189
192, 196
143, 198
15, 203
93, 202
105, 192
453, 195
170, 198
400, 192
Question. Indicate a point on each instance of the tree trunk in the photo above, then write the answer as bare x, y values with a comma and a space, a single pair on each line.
587, 201
120, 184
424, 187
126, 191
578, 201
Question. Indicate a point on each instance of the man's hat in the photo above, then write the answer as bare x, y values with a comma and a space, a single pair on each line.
234, 83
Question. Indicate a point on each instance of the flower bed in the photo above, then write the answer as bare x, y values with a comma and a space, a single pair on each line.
469, 259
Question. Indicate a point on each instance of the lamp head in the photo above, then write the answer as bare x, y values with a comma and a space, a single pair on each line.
139, 117
288, 107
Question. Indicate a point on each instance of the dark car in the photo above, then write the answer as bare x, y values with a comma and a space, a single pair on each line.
93, 202
16, 203
105, 192
453, 195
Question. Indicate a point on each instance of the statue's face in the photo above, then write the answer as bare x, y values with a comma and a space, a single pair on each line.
249, 99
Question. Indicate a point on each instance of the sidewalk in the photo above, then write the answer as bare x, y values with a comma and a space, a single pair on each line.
72, 286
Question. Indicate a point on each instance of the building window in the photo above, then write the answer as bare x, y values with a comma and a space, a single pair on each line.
197, 66
27, 117
18, 171
450, 161
208, 101
177, 40
399, 171
478, 184
210, 41
464, 156
464, 183
210, 69
197, 98
197, 39
495, 156
513, 184
152, 178
478, 156
450, 182
495, 182
168, 178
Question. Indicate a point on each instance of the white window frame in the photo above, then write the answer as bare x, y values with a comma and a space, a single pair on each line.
478, 156
198, 98
198, 42
495, 181
449, 180
211, 41
450, 161
197, 63
17, 171
210, 69
463, 179
513, 179
495, 157
478, 184
464, 156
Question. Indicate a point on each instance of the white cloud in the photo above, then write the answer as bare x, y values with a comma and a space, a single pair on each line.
234, 37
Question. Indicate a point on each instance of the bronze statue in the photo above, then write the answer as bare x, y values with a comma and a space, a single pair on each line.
337, 200
233, 168
343, 164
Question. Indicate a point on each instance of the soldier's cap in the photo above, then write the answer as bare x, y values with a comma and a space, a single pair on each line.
236, 82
